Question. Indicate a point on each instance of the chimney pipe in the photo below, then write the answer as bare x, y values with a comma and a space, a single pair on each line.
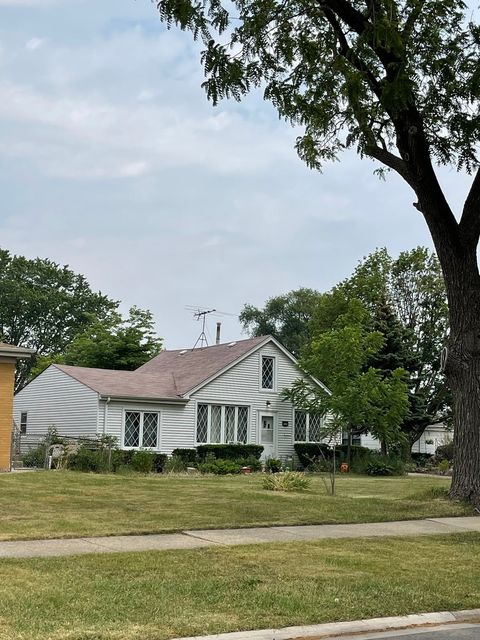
219, 326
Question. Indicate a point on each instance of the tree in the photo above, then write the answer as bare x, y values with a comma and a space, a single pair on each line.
417, 321
400, 81
43, 306
286, 317
113, 344
362, 397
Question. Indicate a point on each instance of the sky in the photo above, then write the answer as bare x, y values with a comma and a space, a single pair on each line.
112, 161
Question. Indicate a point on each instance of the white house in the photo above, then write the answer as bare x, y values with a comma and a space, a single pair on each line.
218, 394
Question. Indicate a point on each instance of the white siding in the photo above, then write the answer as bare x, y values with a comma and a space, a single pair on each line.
56, 399
367, 440
177, 422
241, 385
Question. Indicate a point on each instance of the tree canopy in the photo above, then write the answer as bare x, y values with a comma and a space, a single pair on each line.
363, 398
43, 306
398, 80
287, 317
116, 343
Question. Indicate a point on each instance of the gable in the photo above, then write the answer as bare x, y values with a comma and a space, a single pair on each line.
242, 381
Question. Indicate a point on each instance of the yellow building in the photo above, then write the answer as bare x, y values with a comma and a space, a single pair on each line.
9, 355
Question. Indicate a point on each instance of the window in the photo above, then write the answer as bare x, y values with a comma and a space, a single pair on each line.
268, 372
308, 426
141, 430
23, 423
356, 438
217, 424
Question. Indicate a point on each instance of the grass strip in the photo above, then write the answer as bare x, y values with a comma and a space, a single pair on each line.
161, 595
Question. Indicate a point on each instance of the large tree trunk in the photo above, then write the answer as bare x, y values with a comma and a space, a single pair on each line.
463, 370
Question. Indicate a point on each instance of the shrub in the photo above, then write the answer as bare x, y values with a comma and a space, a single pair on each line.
311, 452
444, 452
159, 460
421, 459
87, 460
357, 453
384, 466
443, 466
286, 481
35, 457
229, 451
252, 462
220, 467
273, 465
142, 461
175, 464
189, 456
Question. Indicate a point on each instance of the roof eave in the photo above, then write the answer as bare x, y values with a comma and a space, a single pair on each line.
107, 396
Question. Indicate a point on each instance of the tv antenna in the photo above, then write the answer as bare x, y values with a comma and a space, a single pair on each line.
200, 314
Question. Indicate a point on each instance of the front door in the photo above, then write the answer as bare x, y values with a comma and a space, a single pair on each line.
267, 436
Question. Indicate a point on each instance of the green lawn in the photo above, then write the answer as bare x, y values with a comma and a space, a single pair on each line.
177, 593
69, 504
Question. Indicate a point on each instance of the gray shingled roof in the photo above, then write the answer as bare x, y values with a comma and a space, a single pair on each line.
168, 376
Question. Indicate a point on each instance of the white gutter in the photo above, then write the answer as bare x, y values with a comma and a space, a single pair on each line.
105, 415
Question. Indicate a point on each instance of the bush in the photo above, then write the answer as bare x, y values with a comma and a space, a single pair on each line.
357, 453
310, 453
252, 462
286, 481
421, 459
273, 465
384, 466
229, 451
220, 467
159, 461
35, 457
175, 464
444, 452
87, 460
443, 466
142, 461
189, 456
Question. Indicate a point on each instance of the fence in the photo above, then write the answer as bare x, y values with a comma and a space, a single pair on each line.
56, 447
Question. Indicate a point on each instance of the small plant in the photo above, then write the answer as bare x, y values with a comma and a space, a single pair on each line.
286, 481
443, 466
142, 461
379, 468
175, 464
220, 467
273, 465
35, 457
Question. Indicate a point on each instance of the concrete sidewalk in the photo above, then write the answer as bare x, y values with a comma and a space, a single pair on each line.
229, 537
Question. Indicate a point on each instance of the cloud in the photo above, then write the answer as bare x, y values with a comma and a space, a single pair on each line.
34, 43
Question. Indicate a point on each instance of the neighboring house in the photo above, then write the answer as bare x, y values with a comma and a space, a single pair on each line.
434, 436
223, 393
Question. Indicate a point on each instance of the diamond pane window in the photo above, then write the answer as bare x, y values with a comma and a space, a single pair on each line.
132, 429
216, 423
315, 427
242, 427
267, 372
150, 430
300, 426
202, 422
229, 424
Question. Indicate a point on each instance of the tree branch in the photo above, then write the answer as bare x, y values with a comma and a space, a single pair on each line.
347, 52
470, 220
392, 161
